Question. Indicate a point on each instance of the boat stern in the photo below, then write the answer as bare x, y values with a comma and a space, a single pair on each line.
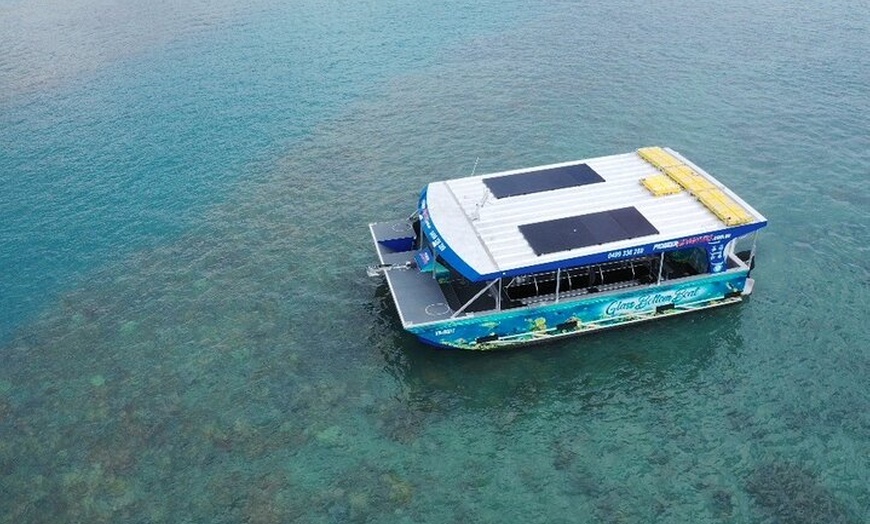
417, 295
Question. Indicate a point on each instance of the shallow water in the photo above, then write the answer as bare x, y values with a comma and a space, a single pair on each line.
189, 335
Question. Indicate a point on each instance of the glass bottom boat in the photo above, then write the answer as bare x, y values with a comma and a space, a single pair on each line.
531, 255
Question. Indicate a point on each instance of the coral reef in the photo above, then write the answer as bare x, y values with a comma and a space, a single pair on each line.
792, 494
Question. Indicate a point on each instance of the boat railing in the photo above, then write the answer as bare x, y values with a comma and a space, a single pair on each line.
581, 280
567, 295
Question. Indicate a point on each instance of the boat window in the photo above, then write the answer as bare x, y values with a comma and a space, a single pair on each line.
742, 246
459, 291
419, 239
582, 280
685, 262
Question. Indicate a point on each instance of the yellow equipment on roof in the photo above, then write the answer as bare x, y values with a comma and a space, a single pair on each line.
712, 197
724, 207
661, 185
658, 157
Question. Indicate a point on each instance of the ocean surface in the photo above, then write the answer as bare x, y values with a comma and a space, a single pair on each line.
187, 332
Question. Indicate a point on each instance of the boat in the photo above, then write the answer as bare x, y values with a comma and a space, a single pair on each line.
538, 254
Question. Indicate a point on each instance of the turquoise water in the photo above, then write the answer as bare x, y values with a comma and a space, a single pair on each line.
188, 334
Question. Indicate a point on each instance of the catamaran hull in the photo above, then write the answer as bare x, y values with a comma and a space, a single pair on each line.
556, 320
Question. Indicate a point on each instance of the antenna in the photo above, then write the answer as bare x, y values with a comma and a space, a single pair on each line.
475, 215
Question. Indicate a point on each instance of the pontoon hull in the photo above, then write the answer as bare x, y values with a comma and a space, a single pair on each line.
552, 321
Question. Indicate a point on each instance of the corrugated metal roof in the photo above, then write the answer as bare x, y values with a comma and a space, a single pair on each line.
483, 231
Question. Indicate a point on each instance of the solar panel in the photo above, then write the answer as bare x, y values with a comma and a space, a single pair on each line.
568, 233
543, 180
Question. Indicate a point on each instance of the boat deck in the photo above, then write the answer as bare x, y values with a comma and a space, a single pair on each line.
418, 296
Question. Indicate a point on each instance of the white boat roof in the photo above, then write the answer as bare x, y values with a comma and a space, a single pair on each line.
491, 225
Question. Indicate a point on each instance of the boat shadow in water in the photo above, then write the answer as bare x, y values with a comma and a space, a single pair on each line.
638, 357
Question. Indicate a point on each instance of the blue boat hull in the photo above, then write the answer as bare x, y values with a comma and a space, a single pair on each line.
555, 320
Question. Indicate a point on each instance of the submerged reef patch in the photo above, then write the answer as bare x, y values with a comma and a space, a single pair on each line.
792, 494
